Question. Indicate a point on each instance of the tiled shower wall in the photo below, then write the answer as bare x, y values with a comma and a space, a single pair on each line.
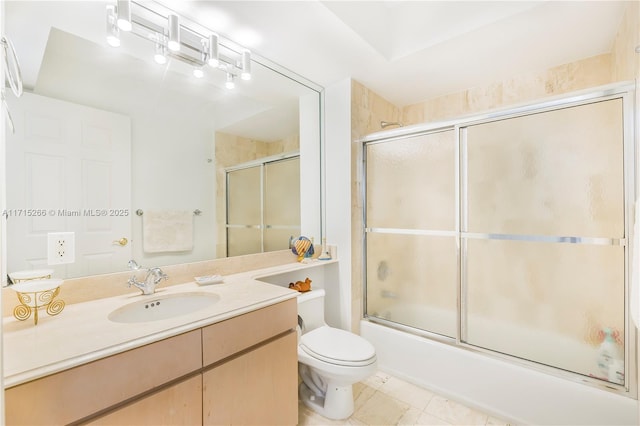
368, 109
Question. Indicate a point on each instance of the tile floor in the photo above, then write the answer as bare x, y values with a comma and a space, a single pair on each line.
386, 400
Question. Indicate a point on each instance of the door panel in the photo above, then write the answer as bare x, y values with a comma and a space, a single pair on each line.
60, 150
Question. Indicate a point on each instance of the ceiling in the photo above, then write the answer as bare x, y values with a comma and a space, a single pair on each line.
63, 54
410, 51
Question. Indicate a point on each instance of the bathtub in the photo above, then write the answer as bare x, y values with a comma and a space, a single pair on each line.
507, 390
544, 347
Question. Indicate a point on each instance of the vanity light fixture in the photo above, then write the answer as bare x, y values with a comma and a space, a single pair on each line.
184, 42
113, 34
245, 67
212, 51
124, 15
174, 33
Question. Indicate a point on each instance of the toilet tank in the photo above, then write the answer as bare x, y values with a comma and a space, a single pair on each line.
311, 309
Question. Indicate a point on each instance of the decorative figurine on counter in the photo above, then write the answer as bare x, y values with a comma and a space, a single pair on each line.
301, 286
302, 247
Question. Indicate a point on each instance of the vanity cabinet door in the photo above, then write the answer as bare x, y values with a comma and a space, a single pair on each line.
258, 387
180, 404
82, 391
229, 337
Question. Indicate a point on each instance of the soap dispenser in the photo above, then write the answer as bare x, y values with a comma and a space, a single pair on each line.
610, 359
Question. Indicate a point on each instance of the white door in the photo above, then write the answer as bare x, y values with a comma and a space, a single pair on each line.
68, 169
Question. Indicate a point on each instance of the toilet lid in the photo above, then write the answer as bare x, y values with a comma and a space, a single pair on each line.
337, 346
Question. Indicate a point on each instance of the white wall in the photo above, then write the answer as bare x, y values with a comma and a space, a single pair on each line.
170, 170
310, 213
337, 144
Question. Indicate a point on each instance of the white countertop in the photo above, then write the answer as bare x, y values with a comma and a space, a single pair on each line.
82, 332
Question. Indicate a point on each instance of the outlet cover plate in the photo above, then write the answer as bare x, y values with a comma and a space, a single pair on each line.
61, 248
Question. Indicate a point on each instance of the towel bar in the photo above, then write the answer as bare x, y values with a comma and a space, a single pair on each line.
196, 212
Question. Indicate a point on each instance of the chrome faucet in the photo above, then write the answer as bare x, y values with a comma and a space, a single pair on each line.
148, 286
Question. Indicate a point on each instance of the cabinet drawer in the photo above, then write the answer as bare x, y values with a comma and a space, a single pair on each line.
180, 404
73, 394
236, 334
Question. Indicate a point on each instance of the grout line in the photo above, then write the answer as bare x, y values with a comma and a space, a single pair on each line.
310, 415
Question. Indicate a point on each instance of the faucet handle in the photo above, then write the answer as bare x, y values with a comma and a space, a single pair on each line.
158, 274
132, 264
131, 281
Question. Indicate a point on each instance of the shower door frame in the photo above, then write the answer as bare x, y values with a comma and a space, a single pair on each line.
261, 163
624, 91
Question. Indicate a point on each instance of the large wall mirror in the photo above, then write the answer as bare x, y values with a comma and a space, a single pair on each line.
132, 156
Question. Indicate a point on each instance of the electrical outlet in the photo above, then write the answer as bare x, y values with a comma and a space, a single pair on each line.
61, 248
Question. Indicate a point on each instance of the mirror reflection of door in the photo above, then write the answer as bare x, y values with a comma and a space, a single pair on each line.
70, 172
63, 55
263, 206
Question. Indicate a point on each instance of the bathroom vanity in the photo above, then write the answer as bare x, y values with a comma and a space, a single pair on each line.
233, 362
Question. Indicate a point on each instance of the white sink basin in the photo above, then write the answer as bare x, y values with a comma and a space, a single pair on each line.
154, 308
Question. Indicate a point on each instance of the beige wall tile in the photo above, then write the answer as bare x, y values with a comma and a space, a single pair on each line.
367, 110
625, 63
583, 74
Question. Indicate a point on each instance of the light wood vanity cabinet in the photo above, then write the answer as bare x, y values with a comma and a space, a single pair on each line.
82, 391
257, 385
229, 337
257, 388
242, 371
178, 404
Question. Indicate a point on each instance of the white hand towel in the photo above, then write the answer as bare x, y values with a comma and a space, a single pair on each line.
167, 231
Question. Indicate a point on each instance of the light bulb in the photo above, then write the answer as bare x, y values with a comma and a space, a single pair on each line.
213, 51
160, 59
113, 40
174, 34
113, 34
246, 66
174, 46
198, 73
124, 15
124, 25
230, 84
160, 55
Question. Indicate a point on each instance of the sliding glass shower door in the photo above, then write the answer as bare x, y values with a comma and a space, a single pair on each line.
543, 234
508, 234
263, 206
412, 263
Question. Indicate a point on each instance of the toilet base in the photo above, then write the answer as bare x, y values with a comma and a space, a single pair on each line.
337, 403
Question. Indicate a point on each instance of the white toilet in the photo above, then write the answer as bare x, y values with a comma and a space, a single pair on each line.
330, 360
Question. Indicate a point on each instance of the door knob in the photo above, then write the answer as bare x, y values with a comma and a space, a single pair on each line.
122, 241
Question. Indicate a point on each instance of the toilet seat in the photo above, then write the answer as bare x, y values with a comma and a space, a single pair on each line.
337, 346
